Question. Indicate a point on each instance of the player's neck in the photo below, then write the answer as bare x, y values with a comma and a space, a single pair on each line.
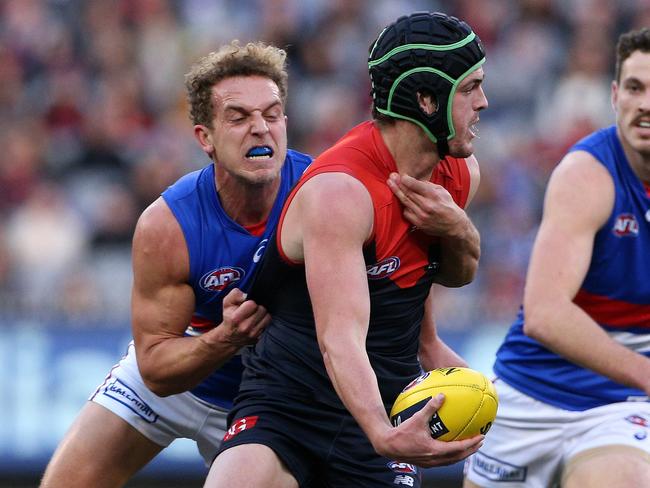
414, 153
639, 162
247, 204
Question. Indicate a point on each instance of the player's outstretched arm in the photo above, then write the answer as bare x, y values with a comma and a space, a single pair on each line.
162, 305
579, 200
431, 209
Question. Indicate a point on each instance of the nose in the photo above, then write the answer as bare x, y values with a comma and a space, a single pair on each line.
644, 106
482, 101
258, 124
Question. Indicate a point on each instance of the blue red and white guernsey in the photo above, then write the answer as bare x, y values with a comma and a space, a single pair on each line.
223, 255
400, 267
615, 293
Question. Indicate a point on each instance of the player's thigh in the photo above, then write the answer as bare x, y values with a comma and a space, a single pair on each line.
249, 466
212, 429
99, 450
614, 466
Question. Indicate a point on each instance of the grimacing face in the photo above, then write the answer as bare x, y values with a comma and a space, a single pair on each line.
248, 141
468, 101
631, 101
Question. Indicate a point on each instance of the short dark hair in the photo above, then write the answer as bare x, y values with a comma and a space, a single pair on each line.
636, 40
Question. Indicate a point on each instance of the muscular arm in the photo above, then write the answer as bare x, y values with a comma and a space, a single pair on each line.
434, 353
578, 201
431, 209
342, 306
162, 304
338, 289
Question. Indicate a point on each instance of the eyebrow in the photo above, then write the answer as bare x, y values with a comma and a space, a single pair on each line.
471, 82
243, 110
631, 79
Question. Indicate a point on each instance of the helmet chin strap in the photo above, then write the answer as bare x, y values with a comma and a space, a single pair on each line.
443, 147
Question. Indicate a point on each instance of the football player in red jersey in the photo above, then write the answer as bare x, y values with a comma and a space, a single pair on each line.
372, 224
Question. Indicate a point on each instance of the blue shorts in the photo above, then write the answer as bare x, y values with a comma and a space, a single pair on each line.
321, 446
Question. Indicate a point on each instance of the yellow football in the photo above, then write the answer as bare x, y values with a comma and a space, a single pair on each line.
469, 408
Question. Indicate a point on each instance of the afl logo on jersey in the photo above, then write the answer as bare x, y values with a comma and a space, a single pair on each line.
626, 225
383, 268
220, 278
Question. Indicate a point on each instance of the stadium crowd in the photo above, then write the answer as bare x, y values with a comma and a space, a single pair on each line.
94, 125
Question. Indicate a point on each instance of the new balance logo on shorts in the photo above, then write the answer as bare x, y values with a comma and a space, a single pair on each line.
496, 470
126, 396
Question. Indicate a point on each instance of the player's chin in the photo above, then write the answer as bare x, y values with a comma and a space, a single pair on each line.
641, 145
462, 150
262, 176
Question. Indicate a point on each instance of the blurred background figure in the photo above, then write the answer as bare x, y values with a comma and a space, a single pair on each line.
93, 127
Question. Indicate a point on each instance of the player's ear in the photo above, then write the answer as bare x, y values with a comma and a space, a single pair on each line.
204, 137
427, 102
614, 95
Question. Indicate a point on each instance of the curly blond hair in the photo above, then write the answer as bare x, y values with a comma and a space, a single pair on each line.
252, 59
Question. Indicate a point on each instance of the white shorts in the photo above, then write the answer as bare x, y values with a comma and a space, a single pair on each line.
161, 419
531, 442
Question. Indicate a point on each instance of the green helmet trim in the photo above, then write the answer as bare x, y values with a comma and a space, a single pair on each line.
428, 47
454, 86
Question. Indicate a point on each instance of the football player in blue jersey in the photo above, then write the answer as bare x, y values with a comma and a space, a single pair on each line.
574, 369
194, 252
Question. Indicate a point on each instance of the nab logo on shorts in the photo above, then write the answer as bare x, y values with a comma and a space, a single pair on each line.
626, 225
220, 278
240, 425
383, 268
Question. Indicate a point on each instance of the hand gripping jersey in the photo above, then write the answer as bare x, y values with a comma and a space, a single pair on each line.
400, 265
223, 255
615, 293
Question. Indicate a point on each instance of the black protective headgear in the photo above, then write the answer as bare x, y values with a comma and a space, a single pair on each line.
429, 53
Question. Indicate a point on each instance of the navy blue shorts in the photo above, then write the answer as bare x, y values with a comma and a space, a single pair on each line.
322, 447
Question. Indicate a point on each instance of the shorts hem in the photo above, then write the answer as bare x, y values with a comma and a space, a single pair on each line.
292, 467
133, 423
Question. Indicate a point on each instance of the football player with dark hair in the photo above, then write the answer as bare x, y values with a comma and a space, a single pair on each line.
373, 223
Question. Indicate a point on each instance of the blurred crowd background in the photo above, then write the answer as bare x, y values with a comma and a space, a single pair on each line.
94, 125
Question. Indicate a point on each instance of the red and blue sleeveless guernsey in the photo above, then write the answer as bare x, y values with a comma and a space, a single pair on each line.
400, 266
615, 293
223, 255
